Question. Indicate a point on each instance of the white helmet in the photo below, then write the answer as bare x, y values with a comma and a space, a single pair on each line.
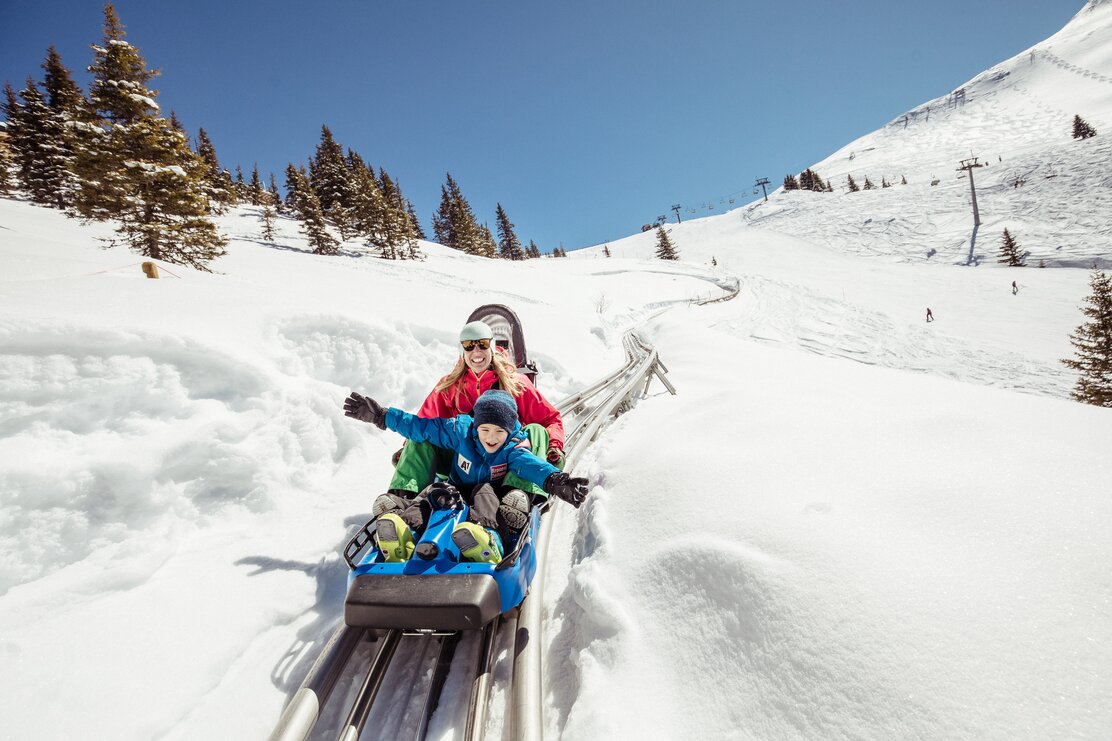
476, 331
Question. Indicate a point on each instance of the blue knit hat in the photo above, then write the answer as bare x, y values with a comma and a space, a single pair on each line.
496, 408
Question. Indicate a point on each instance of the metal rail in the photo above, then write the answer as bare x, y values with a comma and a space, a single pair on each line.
361, 708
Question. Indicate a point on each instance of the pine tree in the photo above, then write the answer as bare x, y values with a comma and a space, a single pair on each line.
903, 180
509, 246
810, 180
308, 209
134, 166
328, 176
293, 182
1009, 251
20, 136
267, 219
454, 223
665, 250
400, 236
240, 186
62, 93
868, 184
176, 124
852, 184
418, 230
442, 219
790, 183
486, 246
606, 250
275, 196
68, 112
120, 75
218, 181
1092, 343
37, 138
884, 182
1081, 129
533, 251
367, 212
5, 170
255, 191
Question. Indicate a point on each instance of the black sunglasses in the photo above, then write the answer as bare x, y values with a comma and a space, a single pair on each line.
469, 345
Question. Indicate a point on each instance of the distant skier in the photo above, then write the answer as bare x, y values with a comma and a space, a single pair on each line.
930, 316
1015, 288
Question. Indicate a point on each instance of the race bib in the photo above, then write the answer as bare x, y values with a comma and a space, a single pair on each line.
463, 464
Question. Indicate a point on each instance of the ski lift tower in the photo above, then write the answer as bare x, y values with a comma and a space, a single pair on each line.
676, 208
968, 165
761, 182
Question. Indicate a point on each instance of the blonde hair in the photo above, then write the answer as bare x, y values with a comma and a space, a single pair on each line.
504, 369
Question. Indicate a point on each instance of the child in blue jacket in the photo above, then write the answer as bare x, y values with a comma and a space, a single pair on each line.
487, 446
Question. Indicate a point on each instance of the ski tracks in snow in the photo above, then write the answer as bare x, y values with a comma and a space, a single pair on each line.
779, 313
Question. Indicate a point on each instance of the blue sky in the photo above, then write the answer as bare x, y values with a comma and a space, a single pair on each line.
583, 119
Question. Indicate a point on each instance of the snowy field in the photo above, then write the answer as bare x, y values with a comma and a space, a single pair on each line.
848, 524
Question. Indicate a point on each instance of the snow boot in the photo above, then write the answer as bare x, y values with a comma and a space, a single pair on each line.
514, 510
395, 538
477, 543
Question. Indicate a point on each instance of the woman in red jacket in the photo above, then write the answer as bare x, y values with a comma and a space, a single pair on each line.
481, 367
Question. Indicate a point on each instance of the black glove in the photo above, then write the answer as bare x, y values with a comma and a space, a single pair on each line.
365, 409
572, 491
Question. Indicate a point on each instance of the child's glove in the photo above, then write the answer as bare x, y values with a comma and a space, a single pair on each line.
365, 409
572, 491
556, 457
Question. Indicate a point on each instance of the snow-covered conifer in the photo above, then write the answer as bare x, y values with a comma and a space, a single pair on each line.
255, 191
69, 112
665, 250
1092, 343
328, 176
418, 230
454, 222
37, 139
5, 170
810, 180
272, 192
509, 246
267, 218
486, 246
218, 181
1081, 129
134, 166
1009, 251
308, 209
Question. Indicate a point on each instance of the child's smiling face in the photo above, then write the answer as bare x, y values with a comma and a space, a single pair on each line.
491, 436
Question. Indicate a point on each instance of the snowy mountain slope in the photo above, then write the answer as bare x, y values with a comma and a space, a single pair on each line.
1017, 119
176, 482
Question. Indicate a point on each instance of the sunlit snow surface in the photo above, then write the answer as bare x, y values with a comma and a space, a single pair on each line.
849, 523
